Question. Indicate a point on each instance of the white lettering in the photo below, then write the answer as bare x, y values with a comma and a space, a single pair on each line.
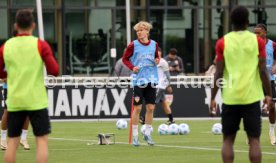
119, 102
218, 98
82, 104
50, 102
102, 103
62, 103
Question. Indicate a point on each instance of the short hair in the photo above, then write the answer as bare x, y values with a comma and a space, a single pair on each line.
24, 18
239, 16
263, 26
173, 51
146, 25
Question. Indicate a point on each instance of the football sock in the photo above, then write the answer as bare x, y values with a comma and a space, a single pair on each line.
3, 134
134, 130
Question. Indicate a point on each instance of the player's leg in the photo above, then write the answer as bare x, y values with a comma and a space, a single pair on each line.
227, 148
40, 122
24, 141
168, 112
137, 102
4, 130
15, 124
252, 126
10, 154
42, 149
255, 154
150, 98
230, 120
272, 117
166, 107
4, 126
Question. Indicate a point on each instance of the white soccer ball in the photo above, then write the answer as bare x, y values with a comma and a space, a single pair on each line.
217, 129
163, 129
143, 129
173, 129
184, 129
121, 124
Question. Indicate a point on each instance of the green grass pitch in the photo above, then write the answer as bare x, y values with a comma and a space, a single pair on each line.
76, 142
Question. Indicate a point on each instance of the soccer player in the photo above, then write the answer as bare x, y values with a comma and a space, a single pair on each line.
261, 31
23, 57
4, 126
163, 87
242, 65
142, 57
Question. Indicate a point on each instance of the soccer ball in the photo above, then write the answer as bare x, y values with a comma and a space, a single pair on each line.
184, 129
163, 129
217, 129
143, 130
121, 124
173, 129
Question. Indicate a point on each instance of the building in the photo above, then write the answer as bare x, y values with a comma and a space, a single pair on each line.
82, 32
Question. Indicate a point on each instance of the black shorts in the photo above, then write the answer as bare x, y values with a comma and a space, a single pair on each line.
232, 114
147, 92
39, 119
272, 91
4, 98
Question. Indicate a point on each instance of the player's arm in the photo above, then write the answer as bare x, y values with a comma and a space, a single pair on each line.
118, 68
218, 75
166, 71
169, 89
126, 58
274, 56
3, 74
157, 58
181, 67
264, 73
48, 58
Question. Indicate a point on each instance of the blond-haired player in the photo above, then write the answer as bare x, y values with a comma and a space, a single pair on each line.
141, 56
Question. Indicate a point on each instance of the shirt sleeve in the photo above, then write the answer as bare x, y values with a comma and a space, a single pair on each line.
126, 57
165, 65
274, 50
3, 73
261, 44
220, 49
48, 58
156, 51
181, 66
118, 67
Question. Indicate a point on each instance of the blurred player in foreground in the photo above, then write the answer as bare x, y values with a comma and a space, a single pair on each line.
4, 125
261, 31
23, 57
243, 85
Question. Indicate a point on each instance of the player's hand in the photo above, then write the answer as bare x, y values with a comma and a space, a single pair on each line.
169, 90
274, 69
177, 68
136, 69
156, 60
269, 102
213, 108
172, 68
265, 108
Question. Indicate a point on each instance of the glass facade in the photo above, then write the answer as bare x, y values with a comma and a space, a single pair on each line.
82, 32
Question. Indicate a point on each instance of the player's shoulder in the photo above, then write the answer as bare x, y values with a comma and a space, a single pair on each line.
131, 44
163, 63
